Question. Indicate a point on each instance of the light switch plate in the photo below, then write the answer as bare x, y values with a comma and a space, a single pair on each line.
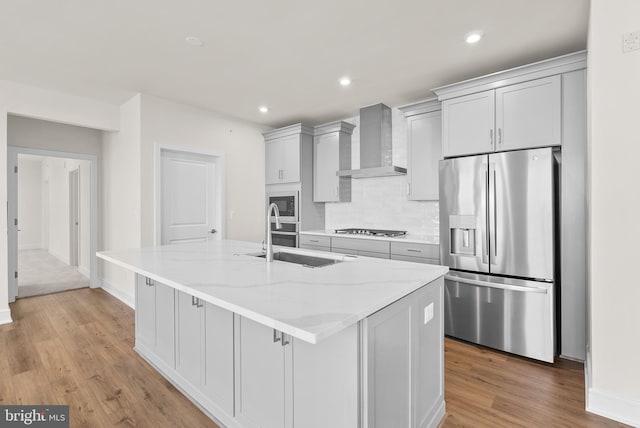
631, 41
428, 312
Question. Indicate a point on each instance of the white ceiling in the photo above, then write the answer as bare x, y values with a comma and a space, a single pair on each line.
287, 54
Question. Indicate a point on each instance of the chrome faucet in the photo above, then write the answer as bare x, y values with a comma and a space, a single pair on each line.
276, 212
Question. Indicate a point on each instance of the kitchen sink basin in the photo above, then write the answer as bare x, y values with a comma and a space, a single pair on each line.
300, 259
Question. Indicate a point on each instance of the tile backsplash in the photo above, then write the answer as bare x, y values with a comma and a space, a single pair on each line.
381, 202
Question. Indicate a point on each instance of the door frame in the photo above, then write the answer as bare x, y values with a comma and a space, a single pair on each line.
74, 217
157, 185
12, 211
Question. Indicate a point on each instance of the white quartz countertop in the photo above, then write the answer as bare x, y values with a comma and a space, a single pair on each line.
414, 239
310, 304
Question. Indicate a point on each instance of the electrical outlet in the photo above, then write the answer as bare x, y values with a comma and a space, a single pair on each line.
631, 41
428, 313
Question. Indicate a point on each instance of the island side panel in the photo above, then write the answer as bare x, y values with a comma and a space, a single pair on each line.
326, 381
403, 361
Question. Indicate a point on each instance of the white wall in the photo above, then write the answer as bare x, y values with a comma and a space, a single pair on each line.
168, 123
614, 144
47, 105
381, 202
120, 194
56, 174
30, 203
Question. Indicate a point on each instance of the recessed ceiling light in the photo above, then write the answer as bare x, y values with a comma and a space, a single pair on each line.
472, 38
263, 109
345, 81
194, 41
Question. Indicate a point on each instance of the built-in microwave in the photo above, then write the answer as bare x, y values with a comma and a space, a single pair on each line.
287, 203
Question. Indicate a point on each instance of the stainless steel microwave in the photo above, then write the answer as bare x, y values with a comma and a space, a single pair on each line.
287, 203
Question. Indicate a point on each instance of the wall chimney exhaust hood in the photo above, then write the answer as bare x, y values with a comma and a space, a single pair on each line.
376, 152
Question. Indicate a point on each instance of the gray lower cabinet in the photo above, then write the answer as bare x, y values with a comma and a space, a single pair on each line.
204, 349
155, 318
387, 370
417, 253
315, 242
261, 377
360, 247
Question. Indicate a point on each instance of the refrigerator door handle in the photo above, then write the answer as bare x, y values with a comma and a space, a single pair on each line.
495, 214
539, 290
492, 205
485, 232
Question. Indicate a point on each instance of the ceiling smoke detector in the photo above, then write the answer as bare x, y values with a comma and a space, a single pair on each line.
194, 41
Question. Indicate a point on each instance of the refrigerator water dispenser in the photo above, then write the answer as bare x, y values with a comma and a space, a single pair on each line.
463, 235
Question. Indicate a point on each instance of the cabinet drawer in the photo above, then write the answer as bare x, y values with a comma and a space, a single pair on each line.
429, 251
415, 259
368, 245
315, 240
315, 247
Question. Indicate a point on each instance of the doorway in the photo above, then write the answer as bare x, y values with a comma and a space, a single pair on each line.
52, 207
189, 196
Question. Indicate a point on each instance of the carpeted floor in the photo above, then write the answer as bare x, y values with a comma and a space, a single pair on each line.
41, 273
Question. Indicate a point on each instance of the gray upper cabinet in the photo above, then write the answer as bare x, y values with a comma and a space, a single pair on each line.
521, 116
282, 153
529, 114
424, 150
520, 108
467, 124
332, 153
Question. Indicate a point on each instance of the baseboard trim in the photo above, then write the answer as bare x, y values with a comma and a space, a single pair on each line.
613, 407
84, 271
5, 316
118, 294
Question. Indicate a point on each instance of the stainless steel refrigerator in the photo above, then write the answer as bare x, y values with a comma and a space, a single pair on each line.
497, 237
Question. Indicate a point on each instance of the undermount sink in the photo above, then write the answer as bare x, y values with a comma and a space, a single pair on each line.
300, 259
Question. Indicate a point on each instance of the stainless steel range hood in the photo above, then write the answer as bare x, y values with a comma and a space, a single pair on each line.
376, 151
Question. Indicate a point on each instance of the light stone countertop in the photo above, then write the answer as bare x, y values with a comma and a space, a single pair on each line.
310, 304
409, 238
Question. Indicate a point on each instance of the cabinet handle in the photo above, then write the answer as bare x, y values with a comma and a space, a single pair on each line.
500, 136
337, 192
313, 240
408, 189
276, 338
193, 301
199, 303
413, 251
491, 137
285, 341
149, 282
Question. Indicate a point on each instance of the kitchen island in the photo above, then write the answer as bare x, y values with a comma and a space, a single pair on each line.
358, 343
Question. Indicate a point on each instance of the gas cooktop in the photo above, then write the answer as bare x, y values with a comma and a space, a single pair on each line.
372, 232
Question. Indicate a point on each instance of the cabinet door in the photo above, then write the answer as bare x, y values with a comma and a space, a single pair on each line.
165, 322
290, 159
273, 151
326, 162
529, 114
468, 124
218, 356
424, 153
145, 312
188, 339
259, 376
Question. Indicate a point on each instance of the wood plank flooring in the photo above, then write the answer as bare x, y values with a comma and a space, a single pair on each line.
76, 348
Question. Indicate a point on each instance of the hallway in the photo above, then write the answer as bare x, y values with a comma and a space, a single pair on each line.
42, 273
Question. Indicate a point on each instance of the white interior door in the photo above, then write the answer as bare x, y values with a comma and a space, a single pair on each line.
74, 217
189, 192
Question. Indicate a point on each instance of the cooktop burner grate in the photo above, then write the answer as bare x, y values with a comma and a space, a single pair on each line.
371, 232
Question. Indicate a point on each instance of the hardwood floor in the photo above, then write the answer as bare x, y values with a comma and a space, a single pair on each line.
76, 348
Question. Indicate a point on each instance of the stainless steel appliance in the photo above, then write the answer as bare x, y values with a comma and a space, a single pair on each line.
497, 236
371, 232
287, 203
286, 236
